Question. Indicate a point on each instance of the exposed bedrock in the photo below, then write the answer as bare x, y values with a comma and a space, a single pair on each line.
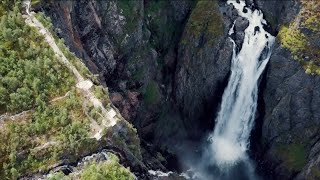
166, 64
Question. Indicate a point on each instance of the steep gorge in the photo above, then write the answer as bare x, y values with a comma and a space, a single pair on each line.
166, 64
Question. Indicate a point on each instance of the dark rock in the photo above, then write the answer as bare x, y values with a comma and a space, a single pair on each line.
201, 72
291, 97
116, 98
278, 12
135, 47
238, 38
241, 24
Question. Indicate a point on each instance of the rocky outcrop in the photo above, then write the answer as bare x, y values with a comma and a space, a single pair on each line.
166, 64
127, 44
152, 72
290, 130
203, 66
98, 31
278, 13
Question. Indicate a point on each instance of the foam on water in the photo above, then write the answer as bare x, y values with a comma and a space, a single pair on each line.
229, 140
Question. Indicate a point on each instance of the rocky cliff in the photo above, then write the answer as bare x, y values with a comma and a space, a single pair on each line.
290, 130
164, 78
166, 64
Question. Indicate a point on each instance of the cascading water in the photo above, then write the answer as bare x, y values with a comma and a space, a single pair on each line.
229, 141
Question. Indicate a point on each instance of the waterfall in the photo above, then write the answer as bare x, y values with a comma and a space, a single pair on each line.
229, 140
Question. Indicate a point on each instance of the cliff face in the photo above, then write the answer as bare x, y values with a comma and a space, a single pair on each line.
166, 71
53, 110
166, 65
290, 130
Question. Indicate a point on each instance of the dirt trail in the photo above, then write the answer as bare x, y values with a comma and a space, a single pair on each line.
110, 118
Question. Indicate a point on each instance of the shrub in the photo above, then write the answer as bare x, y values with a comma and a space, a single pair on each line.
152, 94
110, 169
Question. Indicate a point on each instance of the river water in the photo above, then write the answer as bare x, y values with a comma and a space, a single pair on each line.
226, 155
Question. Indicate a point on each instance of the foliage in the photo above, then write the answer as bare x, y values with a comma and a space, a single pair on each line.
152, 94
293, 39
53, 125
311, 14
59, 176
138, 75
28, 67
110, 169
293, 155
30, 77
83, 70
162, 25
205, 19
62, 122
8, 5
301, 36
315, 172
101, 93
129, 9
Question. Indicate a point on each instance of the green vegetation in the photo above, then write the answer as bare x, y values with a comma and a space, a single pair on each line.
315, 172
62, 123
205, 19
129, 9
311, 15
8, 5
59, 176
54, 125
151, 94
110, 169
294, 156
126, 140
28, 67
293, 40
139, 74
31, 78
161, 24
83, 70
299, 37
154, 7
101, 93
35, 3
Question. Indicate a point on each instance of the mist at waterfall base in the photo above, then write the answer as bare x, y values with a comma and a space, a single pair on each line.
225, 153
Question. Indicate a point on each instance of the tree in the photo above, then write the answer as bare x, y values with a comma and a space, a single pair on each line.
21, 100
110, 169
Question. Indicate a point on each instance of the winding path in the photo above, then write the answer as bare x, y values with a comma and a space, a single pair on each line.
110, 118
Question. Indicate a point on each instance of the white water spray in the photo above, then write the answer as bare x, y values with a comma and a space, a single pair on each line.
229, 141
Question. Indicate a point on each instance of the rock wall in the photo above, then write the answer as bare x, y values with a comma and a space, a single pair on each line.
165, 71
290, 130
166, 64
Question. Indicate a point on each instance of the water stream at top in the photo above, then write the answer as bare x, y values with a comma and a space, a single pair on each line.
230, 138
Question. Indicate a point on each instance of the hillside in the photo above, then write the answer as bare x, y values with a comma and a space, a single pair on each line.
148, 89
51, 112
